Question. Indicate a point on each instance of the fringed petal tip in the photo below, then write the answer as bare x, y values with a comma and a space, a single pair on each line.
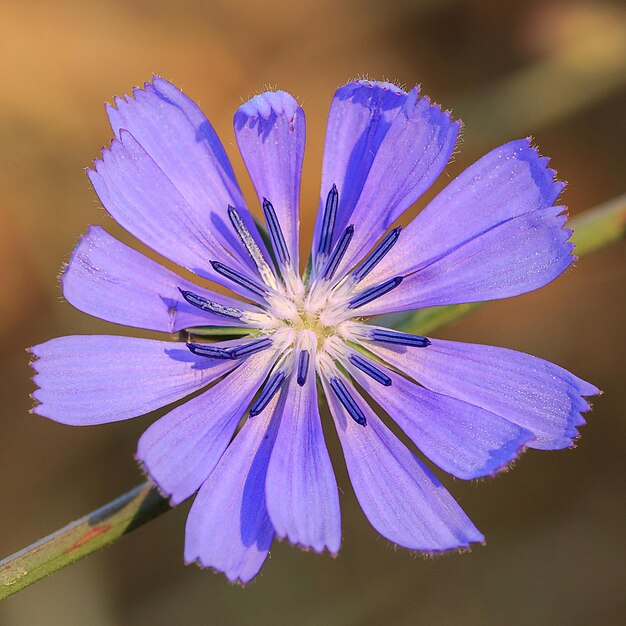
352, 86
157, 83
545, 177
82, 240
107, 152
577, 420
506, 458
415, 108
124, 139
147, 474
173, 499
235, 578
317, 549
465, 548
37, 353
572, 434
266, 105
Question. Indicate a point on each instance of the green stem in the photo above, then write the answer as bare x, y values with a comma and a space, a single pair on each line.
80, 538
593, 230
599, 227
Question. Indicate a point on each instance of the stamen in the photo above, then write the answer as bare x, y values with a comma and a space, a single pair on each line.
372, 293
402, 339
233, 352
377, 254
202, 349
347, 401
238, 278
246, 349
211, 306
276, 233
328, 223
251, 246
270, 389
303, 366
367, 368
338, 253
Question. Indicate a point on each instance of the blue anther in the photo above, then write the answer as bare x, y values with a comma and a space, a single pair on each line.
365, 297
348, 402
273, 384
367, 368
377, 254
251, 347
210, 306
232, 352
328, 223
276, 233
207, 350
303, 366
239, 278
338, 253
401, 339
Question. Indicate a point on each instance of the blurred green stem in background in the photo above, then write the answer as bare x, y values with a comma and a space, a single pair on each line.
593, 230
585, 62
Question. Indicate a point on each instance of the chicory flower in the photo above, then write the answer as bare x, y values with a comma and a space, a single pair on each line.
494, 232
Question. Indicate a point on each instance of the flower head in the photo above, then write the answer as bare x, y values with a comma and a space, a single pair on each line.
492, 233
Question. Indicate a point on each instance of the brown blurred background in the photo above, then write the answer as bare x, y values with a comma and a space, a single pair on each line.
555, 525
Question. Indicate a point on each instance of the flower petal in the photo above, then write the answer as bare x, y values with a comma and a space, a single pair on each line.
179, 450
109, 280
228, 527
517, 256
359, 118
95, 379
509, 181
530, 392
401, 498
462, 439
180, 140
301, 490
136, 192
270, 131
397, 157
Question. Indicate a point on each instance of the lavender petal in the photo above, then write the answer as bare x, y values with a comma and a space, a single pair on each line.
517, 256
270, 131
507, 182
526, 390
95, 379
301, 491
400, 497
228, 527
109, 280
180, 450
462, 439
182, 143
416, 147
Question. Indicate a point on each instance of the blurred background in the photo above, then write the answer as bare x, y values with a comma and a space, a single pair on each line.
554, 526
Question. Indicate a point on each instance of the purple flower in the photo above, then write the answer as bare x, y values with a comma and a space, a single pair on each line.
492, 233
